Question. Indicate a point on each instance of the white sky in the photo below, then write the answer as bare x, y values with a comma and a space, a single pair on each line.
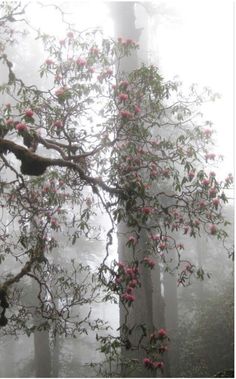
199, 47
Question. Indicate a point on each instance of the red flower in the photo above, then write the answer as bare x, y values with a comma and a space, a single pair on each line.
137, 109
128, 297
124, 84
58, 124
212, 192
29, 113
126, 114
70, 35
161, 333
207, 132
162, 245
191, 175
158, 365
147, 210
21, 127
205, 182
216, 201
210, 156
149, 262
81, 62
133, 283
213, 229
123, 96
49, 62
147, 362
132, 240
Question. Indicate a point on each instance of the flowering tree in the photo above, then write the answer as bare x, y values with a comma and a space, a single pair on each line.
96, 138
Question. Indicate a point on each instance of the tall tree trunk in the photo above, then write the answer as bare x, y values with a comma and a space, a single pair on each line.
42, 352
147, 310
171, 321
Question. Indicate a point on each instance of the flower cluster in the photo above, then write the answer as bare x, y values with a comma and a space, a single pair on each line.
126, 280
156, 348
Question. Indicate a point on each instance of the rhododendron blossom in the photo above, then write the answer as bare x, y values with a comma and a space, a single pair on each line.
147, 210
126, 114
161, 333
58, 124
206, 182
21, 127
123, 96
149, 262
81, 62
213, 229
210, 156
29, 113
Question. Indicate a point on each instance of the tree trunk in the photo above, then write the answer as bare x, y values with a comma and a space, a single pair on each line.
148, 303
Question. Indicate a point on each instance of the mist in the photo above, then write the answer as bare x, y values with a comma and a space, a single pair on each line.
117, 195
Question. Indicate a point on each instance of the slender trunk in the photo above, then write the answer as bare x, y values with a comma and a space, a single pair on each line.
140, 315
42, 354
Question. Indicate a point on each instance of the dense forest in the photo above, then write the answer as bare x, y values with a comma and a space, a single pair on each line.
116, 227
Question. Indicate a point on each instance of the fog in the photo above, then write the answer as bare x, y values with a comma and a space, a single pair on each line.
88, 287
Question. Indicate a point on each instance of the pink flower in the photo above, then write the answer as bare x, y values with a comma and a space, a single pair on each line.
94, 50
128, 297
81, 62
210, 156
191, 175
21, 127
29, 113
216, 202
149, 262
70, 35
202, 204
133, 283
212, 174
54, 222
148, 362
60, 92
129, 271
205, 182
207, 132
49, 62
213, 229
159, 365
109, 72
126, 114
156, 237
58, 124
124, 83
137, 109
212, 192
229, 179
118, 279
162, 245
132, 240
161, 333
196, 223
147, 210
123, 96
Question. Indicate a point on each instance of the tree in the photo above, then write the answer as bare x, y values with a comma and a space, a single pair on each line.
89, 143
